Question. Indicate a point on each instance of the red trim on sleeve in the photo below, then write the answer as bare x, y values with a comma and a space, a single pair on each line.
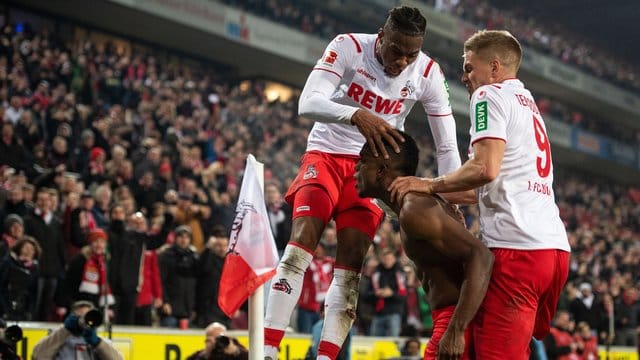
488, 137
327, 70
440, 115
426, 71
356, 42
494, 85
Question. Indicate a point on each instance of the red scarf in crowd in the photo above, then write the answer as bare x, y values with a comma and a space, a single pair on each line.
94, 279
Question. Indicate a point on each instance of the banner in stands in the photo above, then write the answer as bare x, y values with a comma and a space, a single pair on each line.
136, 343
559, 132
623, 153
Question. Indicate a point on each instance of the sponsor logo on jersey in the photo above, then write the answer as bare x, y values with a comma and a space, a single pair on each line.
340, 38
446, 86
482, 94
481, 116
364, 73
303, 208
282, 285
408, 89
373, 101
311, 173
330, 58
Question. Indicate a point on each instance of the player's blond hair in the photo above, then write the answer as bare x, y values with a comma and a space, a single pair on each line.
496, 43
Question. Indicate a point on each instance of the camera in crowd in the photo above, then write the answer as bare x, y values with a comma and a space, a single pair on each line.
9, 336
91, 320
227, 348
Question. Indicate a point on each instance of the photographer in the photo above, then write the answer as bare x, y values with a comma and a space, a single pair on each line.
8, 339
218, 346
77, 339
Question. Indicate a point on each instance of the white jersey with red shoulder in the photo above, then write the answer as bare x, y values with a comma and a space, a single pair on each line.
518, 209
363, 84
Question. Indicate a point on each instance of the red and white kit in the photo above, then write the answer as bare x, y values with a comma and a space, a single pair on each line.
520, 222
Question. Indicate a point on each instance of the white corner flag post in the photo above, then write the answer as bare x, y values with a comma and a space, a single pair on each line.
252, 257
256, 300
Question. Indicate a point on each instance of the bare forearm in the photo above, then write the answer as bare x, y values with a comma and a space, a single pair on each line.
461, 197
472, 291
471, 175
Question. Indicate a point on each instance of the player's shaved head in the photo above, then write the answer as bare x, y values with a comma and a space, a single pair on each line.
500, 44
406, 161
406, 20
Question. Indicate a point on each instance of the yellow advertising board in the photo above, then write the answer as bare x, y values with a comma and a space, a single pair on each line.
141, 343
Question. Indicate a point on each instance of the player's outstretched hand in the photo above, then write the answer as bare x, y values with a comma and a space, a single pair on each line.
451, 346
374, 129
405, 184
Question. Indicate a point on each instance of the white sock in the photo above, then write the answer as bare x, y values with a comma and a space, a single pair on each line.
340, 306
286, 287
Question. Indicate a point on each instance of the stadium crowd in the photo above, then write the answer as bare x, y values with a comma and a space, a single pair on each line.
116, 163
552, 39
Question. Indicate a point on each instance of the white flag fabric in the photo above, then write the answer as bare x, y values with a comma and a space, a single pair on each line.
252, 256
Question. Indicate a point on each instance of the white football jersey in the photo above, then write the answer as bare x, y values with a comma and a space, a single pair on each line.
517, 209
363, 84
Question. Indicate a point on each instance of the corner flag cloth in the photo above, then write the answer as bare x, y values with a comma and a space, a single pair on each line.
252, 256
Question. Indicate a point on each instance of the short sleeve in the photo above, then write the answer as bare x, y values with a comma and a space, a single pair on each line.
488, 115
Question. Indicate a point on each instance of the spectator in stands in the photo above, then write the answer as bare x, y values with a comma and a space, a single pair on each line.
189, 214
82, 220
19, 280
627, 317
388, 291
210, 264
11, 152
279, 213
411, 349
587, 342
130, 237
100, 211
584, 306
211, 332
150, 293
86, 275
42, 225
16, 203
178, 268
13, 231
560, 344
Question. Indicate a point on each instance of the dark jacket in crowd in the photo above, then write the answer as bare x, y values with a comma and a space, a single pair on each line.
51, 240
209, 272
591, 316
280, 219
127, 248
178, 269
18, 288
12, 154
393, 278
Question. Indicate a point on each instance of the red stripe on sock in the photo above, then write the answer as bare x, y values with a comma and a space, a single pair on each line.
328, 349
273, 337
298, 245
344, 267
